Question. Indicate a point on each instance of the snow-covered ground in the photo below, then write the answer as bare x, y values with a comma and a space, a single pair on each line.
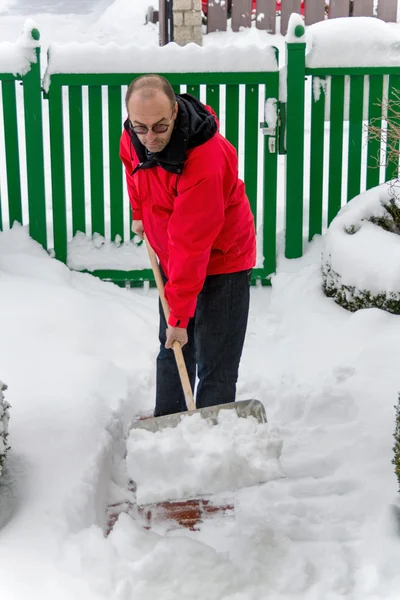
102, 21
78, 356
98, 20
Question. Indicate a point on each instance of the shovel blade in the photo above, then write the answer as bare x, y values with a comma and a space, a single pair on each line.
243, 408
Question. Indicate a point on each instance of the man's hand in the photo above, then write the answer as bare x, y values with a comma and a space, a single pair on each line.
176, 333
137, 228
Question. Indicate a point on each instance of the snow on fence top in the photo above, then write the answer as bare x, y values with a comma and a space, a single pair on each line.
353, 42
296, 31
16, 58
172, 58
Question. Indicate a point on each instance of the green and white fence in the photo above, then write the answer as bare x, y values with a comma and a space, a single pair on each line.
32, 168
70, 128
343, 102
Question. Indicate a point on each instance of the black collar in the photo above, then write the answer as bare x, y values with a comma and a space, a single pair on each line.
194, 125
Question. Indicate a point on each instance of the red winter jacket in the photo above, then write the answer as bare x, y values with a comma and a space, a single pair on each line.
194, 209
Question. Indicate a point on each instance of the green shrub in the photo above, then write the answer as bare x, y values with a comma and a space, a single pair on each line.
353, 299
396, 447
391, 221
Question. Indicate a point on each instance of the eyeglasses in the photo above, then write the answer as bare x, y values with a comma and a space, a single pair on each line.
158, 128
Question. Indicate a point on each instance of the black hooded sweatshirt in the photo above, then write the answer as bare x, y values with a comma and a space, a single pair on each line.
194, 126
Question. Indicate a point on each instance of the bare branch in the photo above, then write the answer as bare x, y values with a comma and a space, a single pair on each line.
386, 130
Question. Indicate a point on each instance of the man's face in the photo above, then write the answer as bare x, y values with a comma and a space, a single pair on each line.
150, 111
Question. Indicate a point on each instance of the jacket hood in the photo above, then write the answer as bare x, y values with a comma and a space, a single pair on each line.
194, 125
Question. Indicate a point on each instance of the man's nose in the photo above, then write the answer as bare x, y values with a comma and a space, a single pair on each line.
151, 136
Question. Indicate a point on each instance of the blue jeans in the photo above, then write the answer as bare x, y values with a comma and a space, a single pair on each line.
216, 336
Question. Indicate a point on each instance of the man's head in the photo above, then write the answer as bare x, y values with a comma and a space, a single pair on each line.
152, 110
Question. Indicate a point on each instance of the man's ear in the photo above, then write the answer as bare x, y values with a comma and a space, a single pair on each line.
175, 110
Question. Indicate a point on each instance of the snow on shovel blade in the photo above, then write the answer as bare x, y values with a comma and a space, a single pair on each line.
199, 457
243, 408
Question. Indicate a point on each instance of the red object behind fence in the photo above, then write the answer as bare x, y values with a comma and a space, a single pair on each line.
204, 5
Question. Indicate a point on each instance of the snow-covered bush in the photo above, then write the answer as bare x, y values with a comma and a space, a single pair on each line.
396, 447
361, 254
4, 418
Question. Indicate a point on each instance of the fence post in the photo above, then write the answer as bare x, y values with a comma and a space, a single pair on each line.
166, 22
295, 57
34, 148
387, 10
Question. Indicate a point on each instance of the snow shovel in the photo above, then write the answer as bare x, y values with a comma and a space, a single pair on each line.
185, 470
243, 408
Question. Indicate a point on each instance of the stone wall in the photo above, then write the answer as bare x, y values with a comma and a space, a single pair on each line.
187, 22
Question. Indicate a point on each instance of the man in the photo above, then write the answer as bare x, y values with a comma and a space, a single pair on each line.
182, 178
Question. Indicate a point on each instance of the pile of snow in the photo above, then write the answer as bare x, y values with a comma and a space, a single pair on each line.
296, 33
125, 22
4, 419
16, 58
80, 361
74, 379
353, 42
5, 5
360, 259
91, 253
197, 458
172, 58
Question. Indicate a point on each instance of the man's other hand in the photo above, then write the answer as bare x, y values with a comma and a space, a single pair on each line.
137, 228
176, 333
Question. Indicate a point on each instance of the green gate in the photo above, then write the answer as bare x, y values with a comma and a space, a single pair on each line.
344, 159
241, 98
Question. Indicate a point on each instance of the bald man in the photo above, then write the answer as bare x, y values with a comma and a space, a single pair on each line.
185, 194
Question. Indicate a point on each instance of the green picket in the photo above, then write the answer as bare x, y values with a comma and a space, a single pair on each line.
355, 136
335, 146
251, 129
232, 115
77, 160
213, 97
12, 152
58, 172
96, 160
374, 119
270, 189
295, 149
194, 90
316, 162
32, 92
116, 180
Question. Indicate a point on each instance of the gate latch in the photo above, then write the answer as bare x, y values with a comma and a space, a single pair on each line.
270, 132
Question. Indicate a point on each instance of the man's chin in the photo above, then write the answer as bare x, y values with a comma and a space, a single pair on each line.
155, 148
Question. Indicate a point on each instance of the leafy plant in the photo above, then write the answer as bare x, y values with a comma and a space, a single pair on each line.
396, 447
4, 419
353, 299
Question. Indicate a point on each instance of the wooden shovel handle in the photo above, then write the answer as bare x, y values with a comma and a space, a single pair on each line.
176, 347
